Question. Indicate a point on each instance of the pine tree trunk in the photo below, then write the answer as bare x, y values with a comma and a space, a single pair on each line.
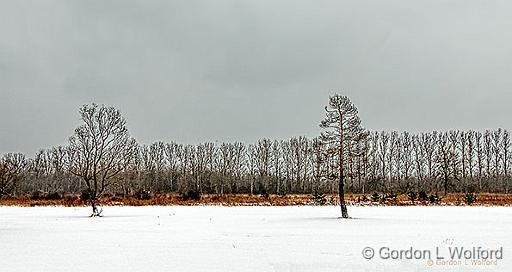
341, 192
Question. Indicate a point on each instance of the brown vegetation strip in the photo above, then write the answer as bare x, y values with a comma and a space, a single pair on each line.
248, 200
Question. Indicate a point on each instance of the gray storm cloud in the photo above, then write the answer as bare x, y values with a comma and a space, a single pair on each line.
196, 71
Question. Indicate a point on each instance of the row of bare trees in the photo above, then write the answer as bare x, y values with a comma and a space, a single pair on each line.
455, 161
458, 161
278, 167
102, 158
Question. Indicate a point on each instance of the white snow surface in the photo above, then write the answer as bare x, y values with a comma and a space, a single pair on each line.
214, 238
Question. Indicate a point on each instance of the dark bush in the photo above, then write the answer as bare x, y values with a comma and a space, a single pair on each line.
469, 198
412, 196
375, 197
422, 196
143, 195
319, 198
391, 197
37, 195
85, 195
53, 196
433, 198
264, 194
190, 195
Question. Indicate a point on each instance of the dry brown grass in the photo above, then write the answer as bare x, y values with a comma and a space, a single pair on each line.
250, 200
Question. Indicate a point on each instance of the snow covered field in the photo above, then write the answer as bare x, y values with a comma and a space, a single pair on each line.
248, 238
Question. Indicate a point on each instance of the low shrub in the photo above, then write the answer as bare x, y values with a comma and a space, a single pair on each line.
319, 198
375, 197
434, 198
422, 196
53, 196
85, 195
70, 198
363, 198
469, 198
143, 195
264, 194
412, 196
37, 195
190, 195
390, 197
116, 198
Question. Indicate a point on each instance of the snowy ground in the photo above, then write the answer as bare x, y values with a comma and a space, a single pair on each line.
246, 238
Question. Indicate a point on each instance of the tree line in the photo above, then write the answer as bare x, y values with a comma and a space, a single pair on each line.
101, 157
390, 162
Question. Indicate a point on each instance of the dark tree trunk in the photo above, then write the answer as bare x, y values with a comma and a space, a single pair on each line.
341, 192
95, 211
341, 184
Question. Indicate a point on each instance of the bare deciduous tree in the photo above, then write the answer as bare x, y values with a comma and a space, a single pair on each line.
12, 167
505, 147
100, 149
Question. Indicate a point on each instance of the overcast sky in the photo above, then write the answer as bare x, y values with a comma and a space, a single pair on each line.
194, 71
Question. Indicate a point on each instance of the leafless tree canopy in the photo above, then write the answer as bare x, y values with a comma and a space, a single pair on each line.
100, 149
12, 169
